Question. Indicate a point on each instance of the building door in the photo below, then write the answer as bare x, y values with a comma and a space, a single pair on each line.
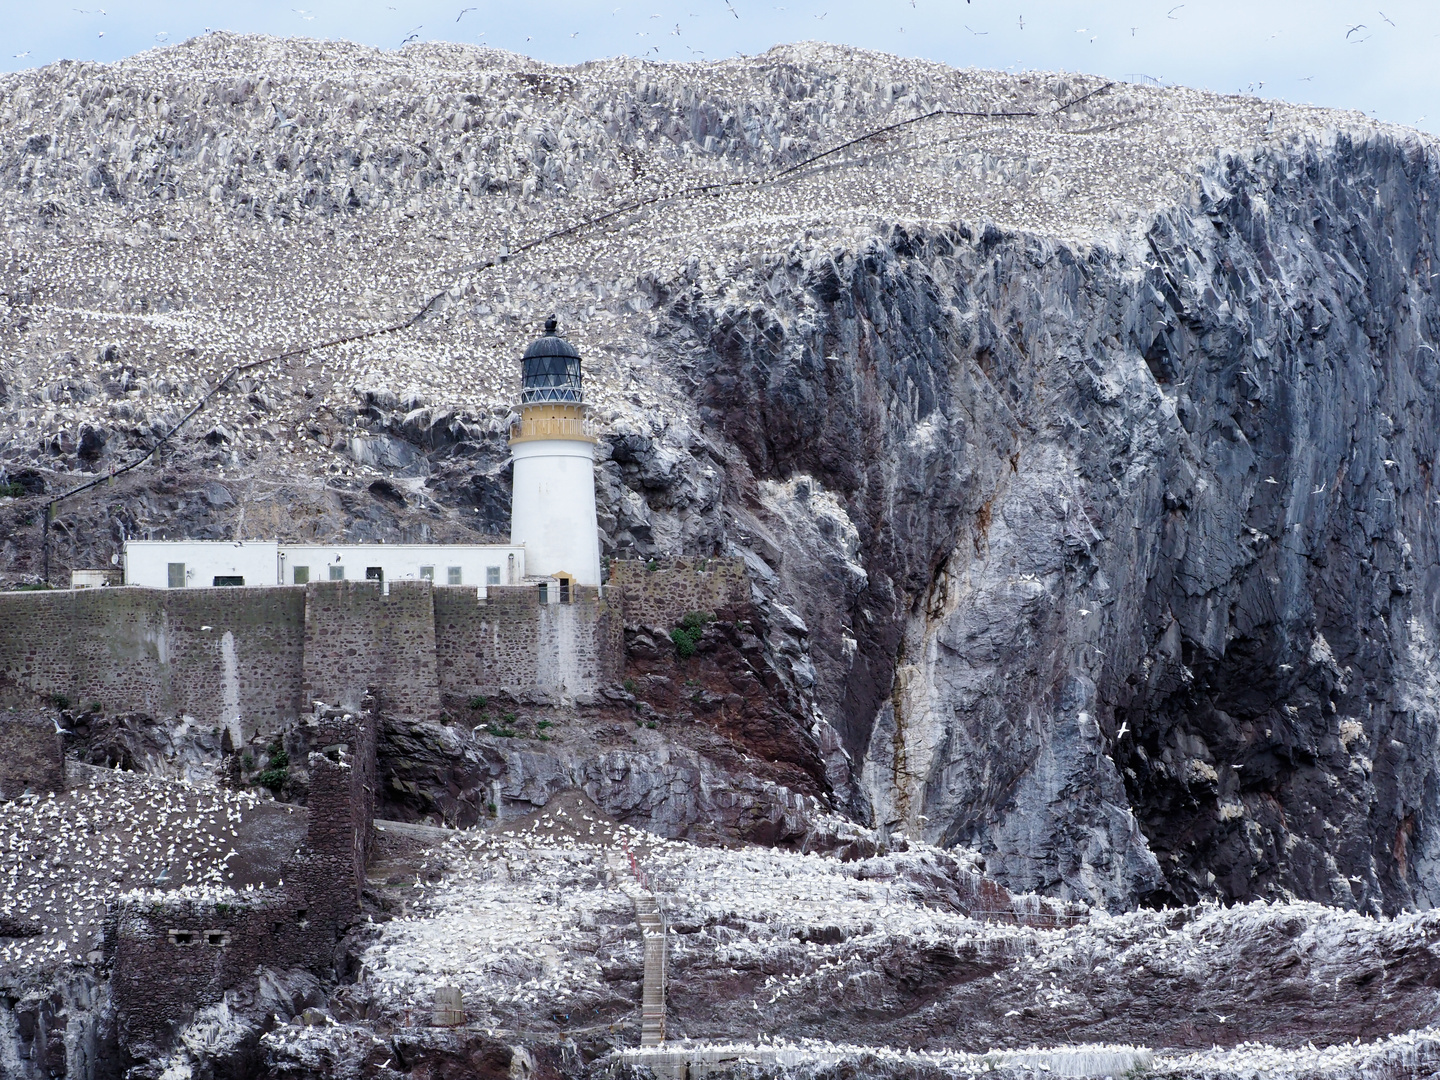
176, 572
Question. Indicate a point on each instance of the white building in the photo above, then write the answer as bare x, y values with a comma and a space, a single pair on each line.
198, 564
444, 564
554, 534
201, 564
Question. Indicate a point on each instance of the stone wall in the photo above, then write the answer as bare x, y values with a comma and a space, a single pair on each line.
253, 659
358, 637
512, 643
662, 593
32, 755
232, 656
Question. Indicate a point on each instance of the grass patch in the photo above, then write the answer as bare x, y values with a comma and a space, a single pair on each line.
687, 635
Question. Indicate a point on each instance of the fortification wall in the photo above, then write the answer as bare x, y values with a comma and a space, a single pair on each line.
253, 659
512, 643
32, 755
231, 656
661, 594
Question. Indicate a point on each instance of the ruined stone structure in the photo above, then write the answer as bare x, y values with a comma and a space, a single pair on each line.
249, 659
175, 954
32, 755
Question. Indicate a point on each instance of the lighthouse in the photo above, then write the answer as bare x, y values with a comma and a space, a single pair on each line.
552, 505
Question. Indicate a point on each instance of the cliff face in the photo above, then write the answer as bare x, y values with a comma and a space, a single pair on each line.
1082, 467
1126, 559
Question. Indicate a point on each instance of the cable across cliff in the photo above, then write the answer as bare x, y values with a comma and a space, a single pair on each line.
690, 191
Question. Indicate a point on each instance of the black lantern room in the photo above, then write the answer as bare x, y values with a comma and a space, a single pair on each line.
552, 370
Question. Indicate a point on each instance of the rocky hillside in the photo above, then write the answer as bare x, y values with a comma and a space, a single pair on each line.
1079, 436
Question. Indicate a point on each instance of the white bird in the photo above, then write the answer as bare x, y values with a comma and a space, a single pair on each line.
462, 13
1271, 480
1124, 727
1319, 490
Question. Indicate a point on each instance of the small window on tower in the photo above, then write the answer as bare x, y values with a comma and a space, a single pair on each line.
374, 573
337, 573
302, 575
544, 593
428, 573
452, 575
492, 575
228, 579
176, 575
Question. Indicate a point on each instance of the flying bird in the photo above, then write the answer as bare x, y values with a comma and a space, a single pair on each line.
1171, 13
731, 6
413, 35
462, 14
1357, 26
1387, 18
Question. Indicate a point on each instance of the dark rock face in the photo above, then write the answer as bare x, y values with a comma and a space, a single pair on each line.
1119, 565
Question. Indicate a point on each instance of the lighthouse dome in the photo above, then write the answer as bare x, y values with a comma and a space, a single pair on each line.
551, 370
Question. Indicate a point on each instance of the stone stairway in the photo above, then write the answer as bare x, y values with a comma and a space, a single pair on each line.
654, 931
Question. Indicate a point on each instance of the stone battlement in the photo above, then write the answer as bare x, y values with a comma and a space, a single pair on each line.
657, 593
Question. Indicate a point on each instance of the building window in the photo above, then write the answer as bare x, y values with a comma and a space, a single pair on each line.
544, 593
427, 573
181, 937
452, 575
492, 575
337, 573
374, 573
302, 575
565, 590
177, 575
221, 580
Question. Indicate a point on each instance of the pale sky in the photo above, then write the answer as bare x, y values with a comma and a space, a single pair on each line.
1347, 53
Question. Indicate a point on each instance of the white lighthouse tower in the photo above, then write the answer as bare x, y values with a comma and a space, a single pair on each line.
552, 505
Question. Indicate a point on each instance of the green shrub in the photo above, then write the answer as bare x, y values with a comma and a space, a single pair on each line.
500, 732
687, 635
543, 724
60, 701
95, 707
629, 685
479, 701
274, 779
34, 586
